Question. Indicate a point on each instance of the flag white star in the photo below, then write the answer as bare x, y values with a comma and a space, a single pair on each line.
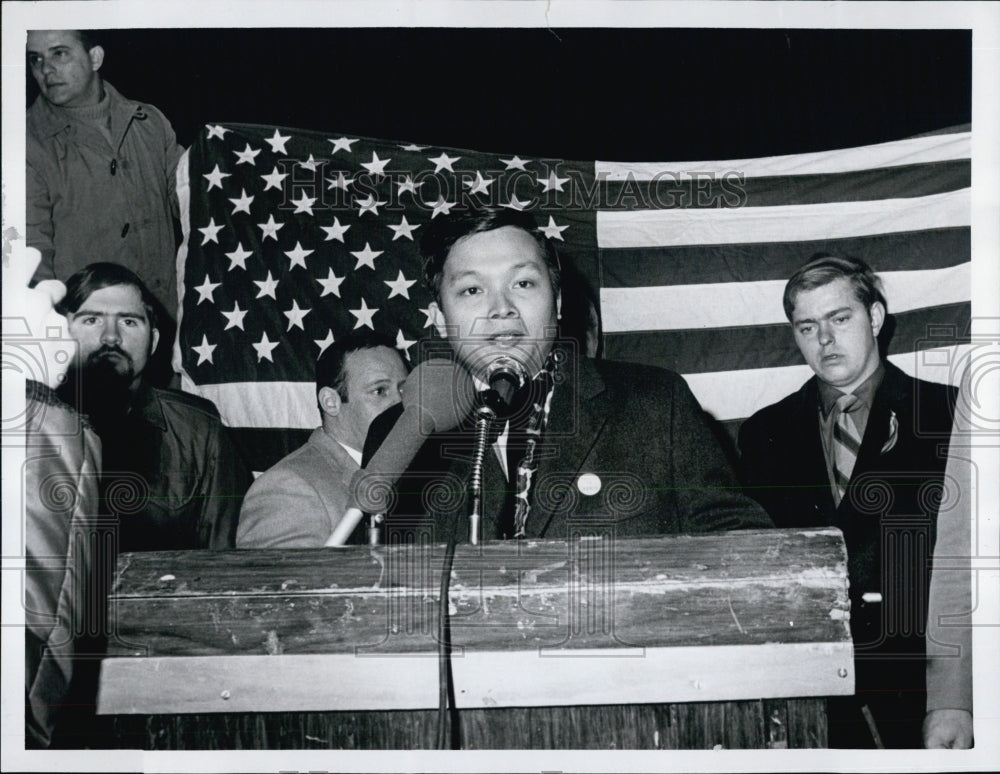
364, 315
238, 257
444, 161
214, 178
264, 348
408, 185
516, 204
441, 207
274, 179
428, 315
295, 316
515, 163
552, 182
376, 166
416, 148
243, 203
400, 286
336, 231
368, 204
267, 287
552, 231
247, 156
343, 144
204, 350
330, 285
270, 229
310, 163
403, 344
480, 184
216, 131
205, 290
297, 255
366, 257
235, 317
404, 229
304, 204
211, 232
277, 142
340, 181
324, 342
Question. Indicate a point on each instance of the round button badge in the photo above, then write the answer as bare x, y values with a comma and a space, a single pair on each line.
589, 484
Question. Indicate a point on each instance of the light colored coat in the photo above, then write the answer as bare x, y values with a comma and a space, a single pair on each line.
81, 209
298, 502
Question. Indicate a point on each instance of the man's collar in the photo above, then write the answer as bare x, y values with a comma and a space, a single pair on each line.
50, 119
865, 392
146, 403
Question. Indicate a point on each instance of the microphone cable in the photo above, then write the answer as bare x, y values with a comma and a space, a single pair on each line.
449, 730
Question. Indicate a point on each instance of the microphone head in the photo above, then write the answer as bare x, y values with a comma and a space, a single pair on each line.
505, 376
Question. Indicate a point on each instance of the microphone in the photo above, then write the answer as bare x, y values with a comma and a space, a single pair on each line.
437, 395
505, 377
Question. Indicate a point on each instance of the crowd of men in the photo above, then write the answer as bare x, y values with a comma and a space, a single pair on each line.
100, 214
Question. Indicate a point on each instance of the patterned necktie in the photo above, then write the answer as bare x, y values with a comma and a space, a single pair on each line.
525, 432
846, 444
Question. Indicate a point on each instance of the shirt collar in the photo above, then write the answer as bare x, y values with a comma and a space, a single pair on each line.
354, 453
864, 392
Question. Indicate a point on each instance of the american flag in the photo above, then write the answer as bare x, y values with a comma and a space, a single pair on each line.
293, 238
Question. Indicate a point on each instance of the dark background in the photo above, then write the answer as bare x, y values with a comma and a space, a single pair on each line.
612, 94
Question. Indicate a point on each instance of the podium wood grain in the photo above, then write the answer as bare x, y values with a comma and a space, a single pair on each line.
639, 641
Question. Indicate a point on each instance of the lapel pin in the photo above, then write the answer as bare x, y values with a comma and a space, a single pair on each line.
589, 484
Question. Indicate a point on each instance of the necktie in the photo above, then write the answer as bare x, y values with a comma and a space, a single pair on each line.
526, 424
846, 444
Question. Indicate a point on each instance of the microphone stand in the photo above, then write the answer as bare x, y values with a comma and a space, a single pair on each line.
485, 414
504, 375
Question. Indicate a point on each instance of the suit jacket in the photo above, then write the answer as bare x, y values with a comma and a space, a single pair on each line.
949, 625
298, 502
626, 451
888, 514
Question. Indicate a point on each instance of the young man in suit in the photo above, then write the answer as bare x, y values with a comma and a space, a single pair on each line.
592, 447
861, 446
298, 502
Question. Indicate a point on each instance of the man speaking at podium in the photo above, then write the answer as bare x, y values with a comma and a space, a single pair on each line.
579, 446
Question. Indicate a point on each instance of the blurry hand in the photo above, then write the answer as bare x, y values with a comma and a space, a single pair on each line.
948, 729
37, 336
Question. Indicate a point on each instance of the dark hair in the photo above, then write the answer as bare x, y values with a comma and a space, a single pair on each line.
824, 268
96, 276
330, 370
441, 236
88, 38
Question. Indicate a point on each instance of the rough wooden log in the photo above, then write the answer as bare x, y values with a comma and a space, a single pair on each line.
754, 614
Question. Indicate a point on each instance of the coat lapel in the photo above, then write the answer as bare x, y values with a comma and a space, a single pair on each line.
580, 410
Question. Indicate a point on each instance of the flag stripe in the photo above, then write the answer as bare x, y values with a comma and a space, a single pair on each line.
906, 251
704, 350
270, 404
735, 395
675, 307
786, 223
732, 188
915, 150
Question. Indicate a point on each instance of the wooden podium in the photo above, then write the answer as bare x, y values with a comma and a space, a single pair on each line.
728, 639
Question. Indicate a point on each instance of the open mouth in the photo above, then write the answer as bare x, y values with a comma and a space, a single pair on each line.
505, 337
